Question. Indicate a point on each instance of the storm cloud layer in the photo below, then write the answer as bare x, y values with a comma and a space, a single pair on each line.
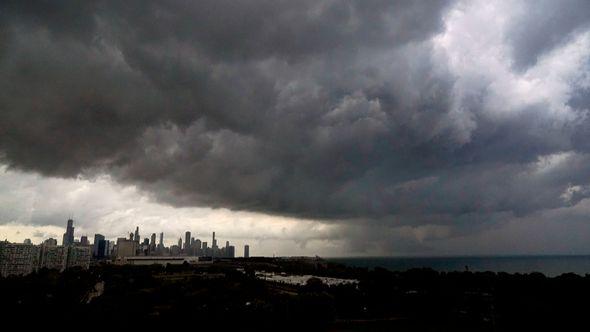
381, 112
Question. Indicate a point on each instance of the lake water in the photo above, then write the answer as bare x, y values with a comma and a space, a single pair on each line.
548, 265
301, 279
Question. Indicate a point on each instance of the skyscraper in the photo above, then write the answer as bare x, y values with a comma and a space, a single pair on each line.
197, 247
179, 243
246, 251
102, 248
214, 246
160, 247
68, 238
97, 239
153, 243
187, 242
84, 240
136, 236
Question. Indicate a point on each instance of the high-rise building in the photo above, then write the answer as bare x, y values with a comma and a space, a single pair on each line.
126, 247
180, 243
79, 256
18, 258
174, 250
214, 247
63, 257
50, 242
102, 248
153, 244
110, 248
84, 240
97, 239
246, 251
136, 235
160, 248
53, 257
68, 238
197, 247
28, 241
187, 242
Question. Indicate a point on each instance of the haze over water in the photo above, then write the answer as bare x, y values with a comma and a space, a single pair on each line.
548, 265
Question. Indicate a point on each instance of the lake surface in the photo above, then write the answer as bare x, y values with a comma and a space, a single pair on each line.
548, 265
302, 279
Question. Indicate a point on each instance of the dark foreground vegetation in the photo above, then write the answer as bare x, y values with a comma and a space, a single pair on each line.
228, 295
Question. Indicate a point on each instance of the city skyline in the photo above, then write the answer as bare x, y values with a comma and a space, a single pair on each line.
153, 240
349, 165
353, 128
23, 258
168, 241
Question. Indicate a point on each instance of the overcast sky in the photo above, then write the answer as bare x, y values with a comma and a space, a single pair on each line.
300, 127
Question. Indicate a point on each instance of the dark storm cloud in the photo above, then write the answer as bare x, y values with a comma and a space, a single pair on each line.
543, 25
335, 110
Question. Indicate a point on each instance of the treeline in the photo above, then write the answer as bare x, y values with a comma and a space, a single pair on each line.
230, 296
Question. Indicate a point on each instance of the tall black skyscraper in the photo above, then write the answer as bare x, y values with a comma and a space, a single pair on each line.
68, 238
102, 248
97, 239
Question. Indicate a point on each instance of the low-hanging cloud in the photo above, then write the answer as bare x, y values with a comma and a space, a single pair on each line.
392, 112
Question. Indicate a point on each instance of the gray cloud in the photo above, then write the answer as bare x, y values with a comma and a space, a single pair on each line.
330, 110
542, 25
